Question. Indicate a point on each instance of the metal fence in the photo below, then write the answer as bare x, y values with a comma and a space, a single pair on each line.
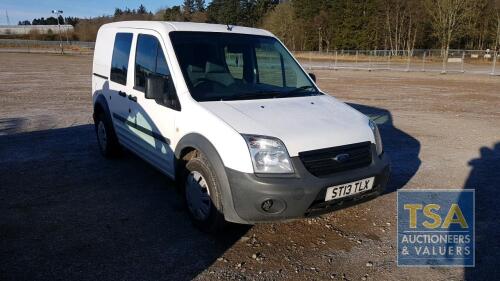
39, 46
459, 61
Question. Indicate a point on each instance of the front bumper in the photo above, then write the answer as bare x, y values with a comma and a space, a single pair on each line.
301, 194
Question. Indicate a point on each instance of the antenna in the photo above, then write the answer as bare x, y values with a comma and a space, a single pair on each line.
229, 28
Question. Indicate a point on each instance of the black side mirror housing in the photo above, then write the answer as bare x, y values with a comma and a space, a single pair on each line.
154, 87
162, 90
313, 76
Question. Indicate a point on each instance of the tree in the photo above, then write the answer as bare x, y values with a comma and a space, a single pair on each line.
447, 17
45, 21
225, 12
281, 22
476, 25
188, 8
194, 10
321, 22
496, 27
402, 22
199, 17
333, 24
142, 10
118, 12
306, 11
497, 37
173, 13
239, 12
256, 9
71, 20
199, 5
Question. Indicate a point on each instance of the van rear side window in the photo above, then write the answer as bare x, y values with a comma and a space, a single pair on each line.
121, 54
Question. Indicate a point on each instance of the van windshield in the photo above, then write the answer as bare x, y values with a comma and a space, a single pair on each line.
226, 66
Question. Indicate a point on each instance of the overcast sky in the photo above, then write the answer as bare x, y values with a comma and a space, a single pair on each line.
28, 9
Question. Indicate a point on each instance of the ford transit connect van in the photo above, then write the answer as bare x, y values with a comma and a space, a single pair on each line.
229, 114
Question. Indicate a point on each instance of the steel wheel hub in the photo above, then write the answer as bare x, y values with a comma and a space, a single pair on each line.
101, 135
198, 195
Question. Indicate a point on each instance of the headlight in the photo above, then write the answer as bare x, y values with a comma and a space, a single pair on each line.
378, 139
269, 155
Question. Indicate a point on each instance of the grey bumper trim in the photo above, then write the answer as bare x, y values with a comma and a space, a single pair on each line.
302, 195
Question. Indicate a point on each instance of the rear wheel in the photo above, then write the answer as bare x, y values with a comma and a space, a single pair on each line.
202, 194
106, 137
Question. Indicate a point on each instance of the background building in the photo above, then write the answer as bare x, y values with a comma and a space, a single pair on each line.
27, 29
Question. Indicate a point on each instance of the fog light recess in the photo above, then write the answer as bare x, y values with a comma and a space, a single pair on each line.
272, 206
267, 205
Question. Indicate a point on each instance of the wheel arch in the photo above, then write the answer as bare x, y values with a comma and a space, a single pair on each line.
101, 105
193, 142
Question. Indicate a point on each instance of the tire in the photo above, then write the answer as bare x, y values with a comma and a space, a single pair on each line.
106, 136
202, 195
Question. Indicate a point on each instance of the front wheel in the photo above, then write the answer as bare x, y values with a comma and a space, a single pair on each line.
202, 195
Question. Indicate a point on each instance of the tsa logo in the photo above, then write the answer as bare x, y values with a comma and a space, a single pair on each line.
436, 228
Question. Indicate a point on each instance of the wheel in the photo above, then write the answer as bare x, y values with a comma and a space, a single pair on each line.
202, 195
106, 136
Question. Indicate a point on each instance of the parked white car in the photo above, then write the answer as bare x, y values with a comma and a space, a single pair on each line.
229, 114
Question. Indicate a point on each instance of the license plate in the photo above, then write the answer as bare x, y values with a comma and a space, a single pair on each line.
348, 189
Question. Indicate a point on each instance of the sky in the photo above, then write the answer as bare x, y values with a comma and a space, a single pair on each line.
19, 10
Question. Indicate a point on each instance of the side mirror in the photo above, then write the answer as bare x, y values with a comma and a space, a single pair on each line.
313, 76
162, 90
154, 87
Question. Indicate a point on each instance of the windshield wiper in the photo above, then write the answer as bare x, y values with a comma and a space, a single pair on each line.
303, 90
263, 94
255, 95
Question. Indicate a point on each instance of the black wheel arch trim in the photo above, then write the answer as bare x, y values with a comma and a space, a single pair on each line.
201, 143
103, 103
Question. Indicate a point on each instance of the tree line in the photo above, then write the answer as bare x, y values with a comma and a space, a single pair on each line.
386, 24
51, 21
324, 25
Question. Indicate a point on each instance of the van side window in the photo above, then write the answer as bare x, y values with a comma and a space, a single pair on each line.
150, 60
119, 61
161, 64
145, 59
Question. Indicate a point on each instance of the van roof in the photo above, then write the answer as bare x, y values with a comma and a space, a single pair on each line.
187, 26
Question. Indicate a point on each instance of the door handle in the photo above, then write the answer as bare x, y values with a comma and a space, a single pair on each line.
123, 94
132, 98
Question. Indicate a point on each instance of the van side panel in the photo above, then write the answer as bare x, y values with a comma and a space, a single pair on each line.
103, 51
102, 58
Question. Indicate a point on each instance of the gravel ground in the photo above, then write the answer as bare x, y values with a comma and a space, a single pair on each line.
68, 214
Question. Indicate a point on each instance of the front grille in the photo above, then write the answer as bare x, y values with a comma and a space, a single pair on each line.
321, 162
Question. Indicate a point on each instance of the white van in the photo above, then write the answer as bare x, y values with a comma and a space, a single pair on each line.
229, 114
